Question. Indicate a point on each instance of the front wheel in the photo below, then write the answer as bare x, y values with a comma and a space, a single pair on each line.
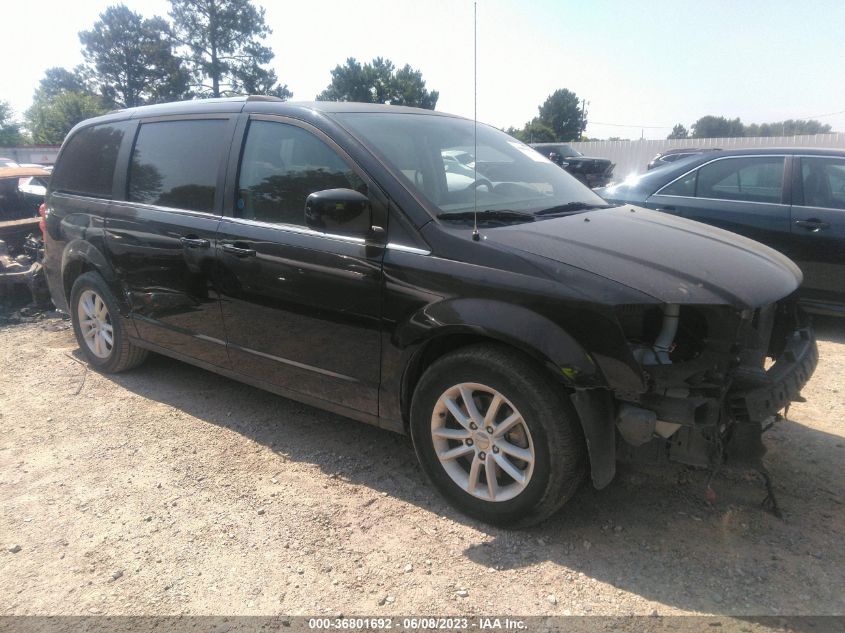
99, 330
497, 436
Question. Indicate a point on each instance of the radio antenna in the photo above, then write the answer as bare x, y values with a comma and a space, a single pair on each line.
475, 235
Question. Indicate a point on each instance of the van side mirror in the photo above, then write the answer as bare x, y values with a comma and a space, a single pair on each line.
340, 211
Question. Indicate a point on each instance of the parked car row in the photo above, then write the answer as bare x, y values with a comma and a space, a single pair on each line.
360, 258
791, 199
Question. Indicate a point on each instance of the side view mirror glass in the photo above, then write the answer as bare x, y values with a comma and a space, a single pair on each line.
339, 211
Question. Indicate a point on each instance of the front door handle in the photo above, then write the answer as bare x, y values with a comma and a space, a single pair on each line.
812, 225
237, 251
194, 242
671, 210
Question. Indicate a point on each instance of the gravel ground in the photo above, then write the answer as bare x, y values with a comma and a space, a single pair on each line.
170, 490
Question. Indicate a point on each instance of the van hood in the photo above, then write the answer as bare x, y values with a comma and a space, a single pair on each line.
668, 258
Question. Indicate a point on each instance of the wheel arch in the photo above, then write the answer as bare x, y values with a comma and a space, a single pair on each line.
444, 327
458, 323
80, 257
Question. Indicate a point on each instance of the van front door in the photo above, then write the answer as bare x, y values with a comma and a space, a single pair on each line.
301, 308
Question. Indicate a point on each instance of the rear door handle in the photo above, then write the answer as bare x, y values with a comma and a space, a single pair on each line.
812, 225
194, 242
237, 251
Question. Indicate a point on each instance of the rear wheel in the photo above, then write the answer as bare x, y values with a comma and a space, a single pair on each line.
98, 328
497, 436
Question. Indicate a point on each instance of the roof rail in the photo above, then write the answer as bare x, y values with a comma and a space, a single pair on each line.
263, 98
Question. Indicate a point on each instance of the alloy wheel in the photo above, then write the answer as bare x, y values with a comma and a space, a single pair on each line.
482, 441
95, 324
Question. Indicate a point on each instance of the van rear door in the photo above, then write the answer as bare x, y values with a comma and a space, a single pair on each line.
161, 237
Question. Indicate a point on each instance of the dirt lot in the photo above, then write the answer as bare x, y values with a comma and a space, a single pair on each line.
170, 490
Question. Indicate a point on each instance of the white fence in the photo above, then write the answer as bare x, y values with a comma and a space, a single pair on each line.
631, 157
39, 154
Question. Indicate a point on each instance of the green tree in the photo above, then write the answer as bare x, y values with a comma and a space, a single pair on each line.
790, 127
58, 80
61, 100
379, 82
563, 113
350, 82
223, 45
130, 59
10, 129
679, 131
49, 119
717, 127
409, 89
535, 131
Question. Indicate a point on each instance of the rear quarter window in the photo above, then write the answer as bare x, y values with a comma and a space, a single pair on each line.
86, 165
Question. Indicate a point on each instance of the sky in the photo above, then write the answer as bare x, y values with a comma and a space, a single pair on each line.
641, 66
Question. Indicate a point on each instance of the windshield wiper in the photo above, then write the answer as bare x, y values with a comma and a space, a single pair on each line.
488, 215
572, 207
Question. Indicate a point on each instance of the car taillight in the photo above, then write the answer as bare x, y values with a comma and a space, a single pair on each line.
42, 224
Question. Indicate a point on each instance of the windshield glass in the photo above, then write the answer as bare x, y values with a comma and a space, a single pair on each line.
435, 156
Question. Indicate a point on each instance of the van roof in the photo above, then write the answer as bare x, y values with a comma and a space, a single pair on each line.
253, 104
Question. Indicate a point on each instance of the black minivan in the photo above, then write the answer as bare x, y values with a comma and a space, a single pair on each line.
522, 331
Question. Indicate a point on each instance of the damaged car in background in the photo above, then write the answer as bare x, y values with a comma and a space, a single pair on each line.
593, 172
22, 191
524, 332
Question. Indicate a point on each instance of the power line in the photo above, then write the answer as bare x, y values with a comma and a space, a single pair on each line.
821, 116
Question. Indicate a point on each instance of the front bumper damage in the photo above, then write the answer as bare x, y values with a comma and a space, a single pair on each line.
711, 394
712, 402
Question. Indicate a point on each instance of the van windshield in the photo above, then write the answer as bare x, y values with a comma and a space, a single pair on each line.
437, 157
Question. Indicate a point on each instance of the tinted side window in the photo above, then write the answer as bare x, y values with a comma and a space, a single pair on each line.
753, 179
175, 163
823, 182
684, 186
281, 166
88, 160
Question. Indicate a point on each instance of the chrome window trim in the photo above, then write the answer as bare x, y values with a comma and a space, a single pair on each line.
156, 207
136, 205
295, 228
768, 204
288, 228
811, 207
80, 196
393, 246
302, 230
697, 167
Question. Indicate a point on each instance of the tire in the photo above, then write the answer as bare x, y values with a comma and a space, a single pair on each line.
547, 427
94, 310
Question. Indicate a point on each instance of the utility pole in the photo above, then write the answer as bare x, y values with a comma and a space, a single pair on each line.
583, 125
